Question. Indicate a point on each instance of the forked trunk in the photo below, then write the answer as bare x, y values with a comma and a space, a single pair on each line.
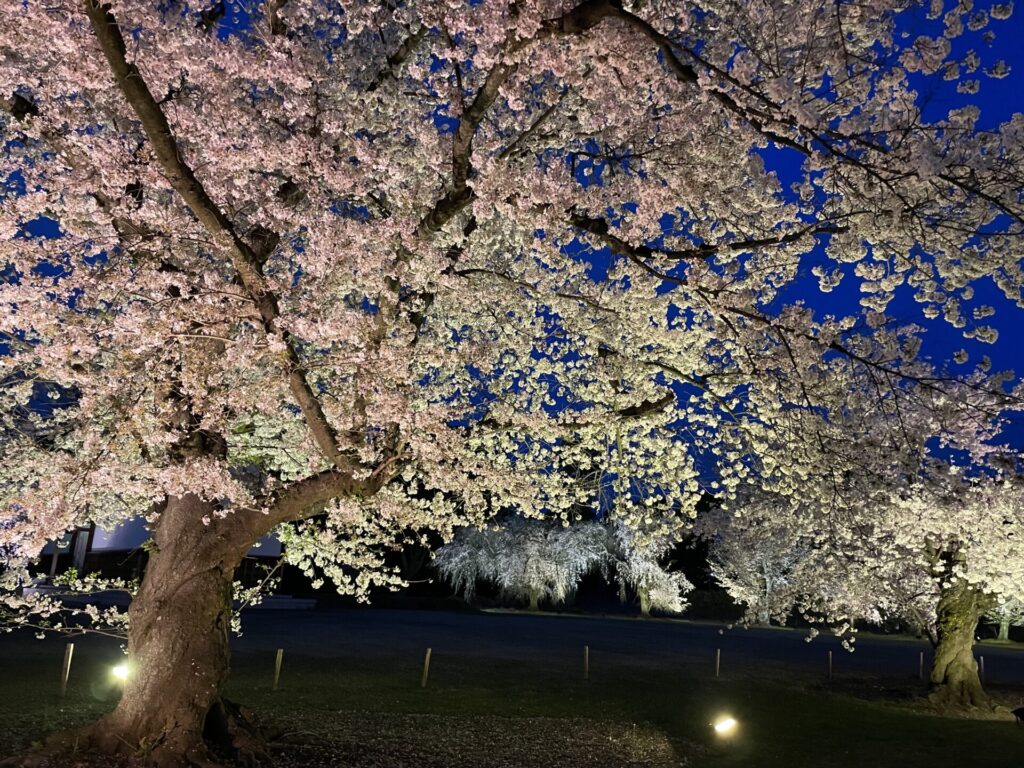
954, 675
177, 639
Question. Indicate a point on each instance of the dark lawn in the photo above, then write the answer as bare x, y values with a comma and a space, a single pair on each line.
530, 707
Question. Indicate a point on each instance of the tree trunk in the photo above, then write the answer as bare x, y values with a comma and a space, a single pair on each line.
1004, 629
177, 638
645, 601
764, 615
534, 600
954, 675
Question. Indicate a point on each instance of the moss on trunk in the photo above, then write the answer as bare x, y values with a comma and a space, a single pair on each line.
954, 675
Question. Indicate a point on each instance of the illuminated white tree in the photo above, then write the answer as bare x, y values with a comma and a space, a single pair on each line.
638, 567
754, 554
939, 551
526, 559
1009, 613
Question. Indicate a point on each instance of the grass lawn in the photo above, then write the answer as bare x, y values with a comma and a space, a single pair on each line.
492, 713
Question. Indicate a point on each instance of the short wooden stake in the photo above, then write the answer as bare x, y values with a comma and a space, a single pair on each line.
718, 661
65, 670
981, 667
586, 662
830, 665
426, 669
277, 667
920, 667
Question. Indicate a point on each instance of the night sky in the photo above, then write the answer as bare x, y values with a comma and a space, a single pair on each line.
998, 100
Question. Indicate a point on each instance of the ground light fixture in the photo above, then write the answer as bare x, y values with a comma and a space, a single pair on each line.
120, 672
725, 725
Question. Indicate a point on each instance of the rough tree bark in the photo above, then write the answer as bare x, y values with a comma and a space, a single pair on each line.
954, 675
178, 632
177, 638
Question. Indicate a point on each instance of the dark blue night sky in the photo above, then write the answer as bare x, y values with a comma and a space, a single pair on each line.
998, 100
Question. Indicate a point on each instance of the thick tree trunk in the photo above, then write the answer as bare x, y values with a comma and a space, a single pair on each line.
645, 601
534, 600
1004, 629
177, 638
954, 675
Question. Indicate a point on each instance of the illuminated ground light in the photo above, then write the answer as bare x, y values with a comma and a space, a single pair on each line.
725, 726
120, 672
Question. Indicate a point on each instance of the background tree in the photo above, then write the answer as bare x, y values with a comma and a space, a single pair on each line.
347, 269
940, 552
754, 555
527, 560
1009, 613
638, 567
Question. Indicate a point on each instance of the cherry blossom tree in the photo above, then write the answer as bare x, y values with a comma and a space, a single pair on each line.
350, 269
638, 567
968, 540
755, 558
940, 552
527, 559
1006, 614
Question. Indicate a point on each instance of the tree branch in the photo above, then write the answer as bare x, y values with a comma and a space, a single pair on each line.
601, 229
579, 19
183, 180
277, 26
399, 57
462, 149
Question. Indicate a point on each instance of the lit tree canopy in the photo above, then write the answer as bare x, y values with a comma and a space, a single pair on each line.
754, 554
381, 267
939, 550
1006, 614
526, 559
638, 568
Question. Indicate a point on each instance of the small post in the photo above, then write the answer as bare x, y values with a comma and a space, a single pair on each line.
920, 667
718, 661
277, 667
65, 670
981, 667
586, 662
426, 669
830, 665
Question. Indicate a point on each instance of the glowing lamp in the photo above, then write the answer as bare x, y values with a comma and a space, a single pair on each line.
725, 725
120, 672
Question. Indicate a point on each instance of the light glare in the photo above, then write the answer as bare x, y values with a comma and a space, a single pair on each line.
725, 725
120, 672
